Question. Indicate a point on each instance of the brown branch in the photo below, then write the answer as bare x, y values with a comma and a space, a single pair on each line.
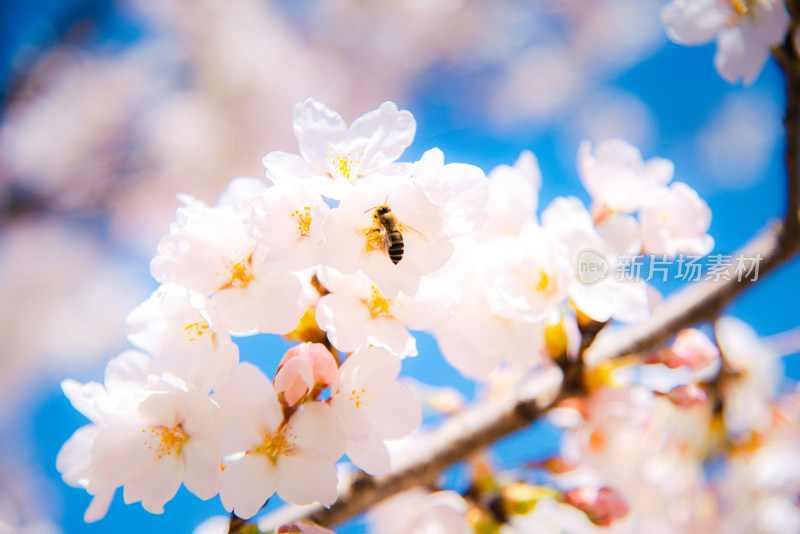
788, 59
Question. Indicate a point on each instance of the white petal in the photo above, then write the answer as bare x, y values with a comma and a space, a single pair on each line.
398, 411
307, 476
317, 129
283, 167
203, 475
693, 22
344, 318
740, 54
249, 482
384, 134
369, 453
156, 487
392, 335
99, 506
317, 427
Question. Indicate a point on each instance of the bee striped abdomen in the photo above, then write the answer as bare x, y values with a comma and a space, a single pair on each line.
396, 247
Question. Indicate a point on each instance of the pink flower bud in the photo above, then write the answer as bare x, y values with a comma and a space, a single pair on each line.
691, 348
603, 506
687, 396
303, 368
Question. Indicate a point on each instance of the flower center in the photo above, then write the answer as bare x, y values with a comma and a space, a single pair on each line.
197, 330
742, 7
378, 304
241, 273
164, 439
275, 445
344, 164
303, 220
360, 399
541, 282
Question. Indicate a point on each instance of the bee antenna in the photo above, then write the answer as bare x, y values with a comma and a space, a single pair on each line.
376, 207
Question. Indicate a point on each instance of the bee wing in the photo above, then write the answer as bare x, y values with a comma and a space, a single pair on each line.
411, 232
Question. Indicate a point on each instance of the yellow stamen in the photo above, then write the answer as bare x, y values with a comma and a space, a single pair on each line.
303, 220
241, 273
166, 440
742, 7
275, 445
360, 399
197, 330
378, 304
345, 163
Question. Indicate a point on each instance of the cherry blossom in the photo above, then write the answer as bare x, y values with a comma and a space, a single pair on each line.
148, 438
675, 220
334, 157
617, 177
418, 510
588, 244
461, 190
745, 31
755, 370
269, 453
513, 197
208, 251
356, 312
286, 220
184, 340
372, 406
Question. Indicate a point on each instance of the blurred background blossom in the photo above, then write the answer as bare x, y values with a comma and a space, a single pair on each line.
110, 109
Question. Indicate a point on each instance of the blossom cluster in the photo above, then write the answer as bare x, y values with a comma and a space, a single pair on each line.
347, 249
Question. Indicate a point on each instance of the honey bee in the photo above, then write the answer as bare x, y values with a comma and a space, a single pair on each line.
386, 233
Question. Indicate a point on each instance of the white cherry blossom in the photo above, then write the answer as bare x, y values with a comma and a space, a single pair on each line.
286, 220
675, 220
334, 157
530, 275
617, 177
270, 454
745, 31
419, 511
148, 442
373, 406
757, 372
513, 197
475, 338
460, 189
208, 251
184, 340
356, 312
605, 297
